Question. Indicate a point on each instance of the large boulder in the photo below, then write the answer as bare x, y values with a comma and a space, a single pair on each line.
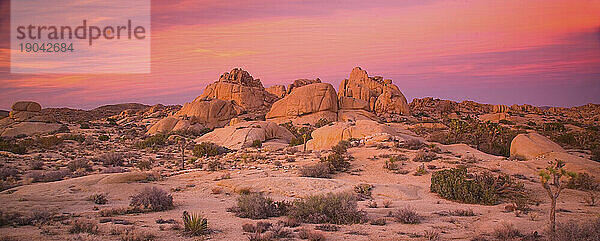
26, 106
382, 95
240, 87
366, 130
277, 90
245, 133
30, 128
306, 104
533, 145
24, 110
301, 82
197, 115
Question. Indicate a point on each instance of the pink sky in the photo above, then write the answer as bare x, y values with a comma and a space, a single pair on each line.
542, 52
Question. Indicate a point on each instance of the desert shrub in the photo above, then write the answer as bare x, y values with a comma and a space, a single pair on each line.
407, 216
144, 164
47, 176
319, 170
327, 227
132, 234
310, 235
322, 122
257, 143
110, 159
413, 144
206, 149
462, 212
103, 138
335, 208
260, 227
379, 221
595, 153
157, 140
36, 165
554, 126
469, 159
421, 170
578, 231
336, 162
491, 138
363, 191
506, 232
45, 142
8, 172
84, 125
109, 212
583, 181
12, 146
98, 198
83, 226
194, 224
153, 199
257, 206
214, 165
424, 156
453, 184
341, 147
79, 163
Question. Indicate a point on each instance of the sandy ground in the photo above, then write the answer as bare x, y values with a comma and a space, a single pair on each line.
192, 191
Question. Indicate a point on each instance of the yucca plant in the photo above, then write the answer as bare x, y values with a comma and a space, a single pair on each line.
195, 224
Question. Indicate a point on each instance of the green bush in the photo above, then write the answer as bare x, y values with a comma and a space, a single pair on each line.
74, 137
45, 142
488, 137
341, 148
152, 199
453, 184
194, 224
257, 206
11, 146
319, 170
583, 181
157, 140
336, 162
424, 156
596, 154
206, 149
103, 138
257, 143
335, 208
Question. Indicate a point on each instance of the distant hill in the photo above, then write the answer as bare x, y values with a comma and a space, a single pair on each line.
76, 115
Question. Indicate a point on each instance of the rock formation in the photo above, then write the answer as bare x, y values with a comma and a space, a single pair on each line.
500, 108
301, 82
277, 90
25, 118
382, 95
532, 145
245, 133
367, 130
306, 104
240, 87
198, 115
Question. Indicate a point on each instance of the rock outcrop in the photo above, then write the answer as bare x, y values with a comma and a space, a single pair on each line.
25, 118
500, 108
532, 145
197, 115
382, 96
306, 104
277, 90
301, 82
366, 130
239, 86
244, 134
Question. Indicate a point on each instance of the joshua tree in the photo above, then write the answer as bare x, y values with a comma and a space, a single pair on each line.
182, 143
305, 133
551, 176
